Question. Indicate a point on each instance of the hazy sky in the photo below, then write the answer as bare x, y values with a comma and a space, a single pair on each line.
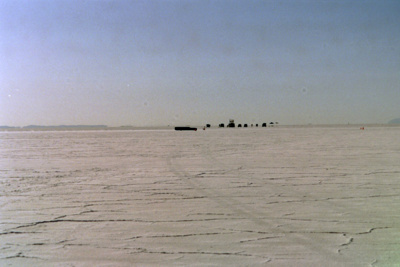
183, 62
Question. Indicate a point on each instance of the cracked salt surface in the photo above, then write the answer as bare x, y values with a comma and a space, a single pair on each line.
284, 196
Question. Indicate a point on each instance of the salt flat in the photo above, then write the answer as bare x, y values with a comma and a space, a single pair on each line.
281, 196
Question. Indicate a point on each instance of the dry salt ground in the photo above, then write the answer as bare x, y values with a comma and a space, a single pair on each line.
282, 196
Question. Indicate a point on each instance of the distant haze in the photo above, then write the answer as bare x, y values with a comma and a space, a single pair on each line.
155, 63
395, 121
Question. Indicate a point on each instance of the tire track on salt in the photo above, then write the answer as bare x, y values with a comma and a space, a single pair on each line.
315, 245
243, 210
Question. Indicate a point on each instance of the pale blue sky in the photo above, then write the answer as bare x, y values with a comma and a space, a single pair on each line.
150, 63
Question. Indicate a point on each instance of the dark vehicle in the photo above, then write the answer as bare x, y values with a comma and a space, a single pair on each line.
185, 128
221, 125
264, 124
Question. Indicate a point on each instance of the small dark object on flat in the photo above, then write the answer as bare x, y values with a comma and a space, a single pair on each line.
185, 129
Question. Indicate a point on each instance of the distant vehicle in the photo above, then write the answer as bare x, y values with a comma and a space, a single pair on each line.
185, 128
221, 125
264, 124
245, 125
231, 124
208, 125
239, 125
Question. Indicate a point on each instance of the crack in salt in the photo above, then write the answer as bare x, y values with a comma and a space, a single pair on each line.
258, 239
20, 255
117, 220
240, 253
181, 235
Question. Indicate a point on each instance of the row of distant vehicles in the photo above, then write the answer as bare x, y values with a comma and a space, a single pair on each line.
232, 124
